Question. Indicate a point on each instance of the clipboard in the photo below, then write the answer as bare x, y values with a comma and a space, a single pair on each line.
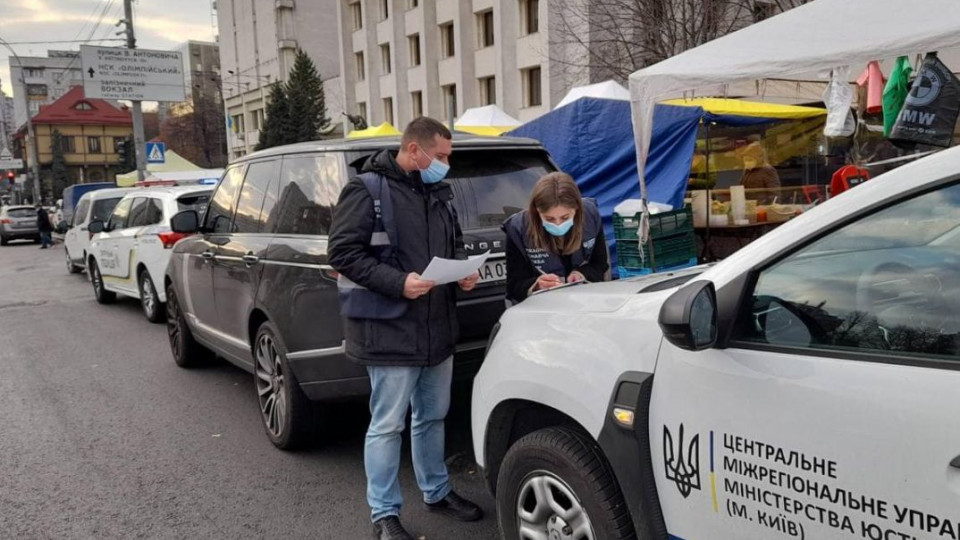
563, 286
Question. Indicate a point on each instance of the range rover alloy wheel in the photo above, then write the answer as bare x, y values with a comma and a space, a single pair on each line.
286, 412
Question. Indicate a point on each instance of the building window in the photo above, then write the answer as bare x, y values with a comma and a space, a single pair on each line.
67, 144
82, 106
411, 4
93, 145
255, 119
413, 43
33, 73
361, 66
529, 16
449, 100
362, 109
385, 58
388, 110
384, 10
447, 43
485, 28
238, 123
488, 91
416, 103
356, 11
531, 87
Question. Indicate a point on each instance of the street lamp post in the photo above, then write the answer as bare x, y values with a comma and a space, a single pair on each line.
34, 153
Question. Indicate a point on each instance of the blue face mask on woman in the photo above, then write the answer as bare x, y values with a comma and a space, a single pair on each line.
558, 230
435, 172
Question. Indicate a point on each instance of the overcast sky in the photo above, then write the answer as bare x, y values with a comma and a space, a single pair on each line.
158, 25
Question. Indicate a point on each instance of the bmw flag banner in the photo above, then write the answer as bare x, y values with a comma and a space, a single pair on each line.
156, 152
930, 111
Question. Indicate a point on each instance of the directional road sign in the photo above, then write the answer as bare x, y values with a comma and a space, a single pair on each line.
133, 74
156, 152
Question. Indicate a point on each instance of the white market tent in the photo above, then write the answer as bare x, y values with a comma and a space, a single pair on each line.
487, 120
812, 38
602, 90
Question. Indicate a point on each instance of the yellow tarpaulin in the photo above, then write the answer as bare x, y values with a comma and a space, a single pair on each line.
739, 107
173, 162
488, 131
383, 130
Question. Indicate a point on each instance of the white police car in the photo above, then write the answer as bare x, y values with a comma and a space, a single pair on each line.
130, 251
806, 387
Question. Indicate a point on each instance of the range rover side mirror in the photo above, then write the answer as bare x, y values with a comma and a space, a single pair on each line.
688, 318
96, 226
187, 222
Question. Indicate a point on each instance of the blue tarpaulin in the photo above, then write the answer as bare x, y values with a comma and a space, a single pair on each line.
592, 140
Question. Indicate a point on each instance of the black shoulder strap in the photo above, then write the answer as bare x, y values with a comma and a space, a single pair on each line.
384, 237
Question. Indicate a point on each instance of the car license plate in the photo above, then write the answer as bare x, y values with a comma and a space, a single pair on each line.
493, 271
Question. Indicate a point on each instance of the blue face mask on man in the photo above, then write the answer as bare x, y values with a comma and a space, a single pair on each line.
558, 230
435, 172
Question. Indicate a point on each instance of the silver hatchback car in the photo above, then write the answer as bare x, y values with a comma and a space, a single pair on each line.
18, 222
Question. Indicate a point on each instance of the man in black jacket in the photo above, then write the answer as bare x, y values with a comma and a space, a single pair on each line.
45, 227
408, 346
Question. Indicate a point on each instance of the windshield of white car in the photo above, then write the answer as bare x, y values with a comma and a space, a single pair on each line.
898, 227
102, 208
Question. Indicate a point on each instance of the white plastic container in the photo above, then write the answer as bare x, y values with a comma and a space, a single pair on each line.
699, 203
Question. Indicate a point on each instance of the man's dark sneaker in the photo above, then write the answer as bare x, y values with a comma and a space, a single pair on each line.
456, 507
389, 528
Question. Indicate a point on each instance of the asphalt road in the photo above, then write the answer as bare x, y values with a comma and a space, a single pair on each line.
103, 436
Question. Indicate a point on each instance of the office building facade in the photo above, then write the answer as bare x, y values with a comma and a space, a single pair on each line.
406, 58
258, 43
43, 79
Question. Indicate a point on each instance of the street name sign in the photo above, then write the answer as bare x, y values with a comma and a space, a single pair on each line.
156, 152
11, 163
132, 74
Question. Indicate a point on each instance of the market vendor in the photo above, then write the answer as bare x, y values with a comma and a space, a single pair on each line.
757, 171
558, 239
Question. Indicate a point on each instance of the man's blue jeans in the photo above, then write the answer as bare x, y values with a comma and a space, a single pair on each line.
394, 389
46, 239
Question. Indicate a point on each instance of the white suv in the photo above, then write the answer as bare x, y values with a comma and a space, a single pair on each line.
805, 387
92, 206
130, 252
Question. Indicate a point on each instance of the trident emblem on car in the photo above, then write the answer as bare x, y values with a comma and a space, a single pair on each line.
683, 470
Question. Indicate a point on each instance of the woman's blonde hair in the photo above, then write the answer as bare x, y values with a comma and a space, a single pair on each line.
555, 189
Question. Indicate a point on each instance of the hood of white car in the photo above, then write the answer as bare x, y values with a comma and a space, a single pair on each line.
608, 296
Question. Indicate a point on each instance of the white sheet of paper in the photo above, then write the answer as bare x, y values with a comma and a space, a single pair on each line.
449, 270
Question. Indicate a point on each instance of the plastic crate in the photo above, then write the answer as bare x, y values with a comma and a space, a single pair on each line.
663, 224
668, 251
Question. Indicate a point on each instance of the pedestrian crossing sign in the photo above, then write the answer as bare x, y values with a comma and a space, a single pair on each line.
156, 152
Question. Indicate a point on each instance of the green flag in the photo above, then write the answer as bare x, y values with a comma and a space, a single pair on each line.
895, 92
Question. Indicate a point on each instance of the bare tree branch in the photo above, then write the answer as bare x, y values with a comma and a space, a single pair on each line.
613, 38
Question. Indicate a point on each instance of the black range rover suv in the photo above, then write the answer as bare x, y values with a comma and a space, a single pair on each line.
254, 286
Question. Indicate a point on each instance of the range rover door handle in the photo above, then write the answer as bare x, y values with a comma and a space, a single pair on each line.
207, 255
250, 259
955, 463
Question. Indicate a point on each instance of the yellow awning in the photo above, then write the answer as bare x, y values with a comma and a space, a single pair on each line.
383, 130
173, 162
488, 131
739, 107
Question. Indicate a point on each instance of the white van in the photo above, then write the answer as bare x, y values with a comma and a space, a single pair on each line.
131, 249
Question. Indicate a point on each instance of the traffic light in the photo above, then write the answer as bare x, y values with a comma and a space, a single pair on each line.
12, 177
125, 151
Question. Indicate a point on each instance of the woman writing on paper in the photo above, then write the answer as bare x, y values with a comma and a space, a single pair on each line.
558, 239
